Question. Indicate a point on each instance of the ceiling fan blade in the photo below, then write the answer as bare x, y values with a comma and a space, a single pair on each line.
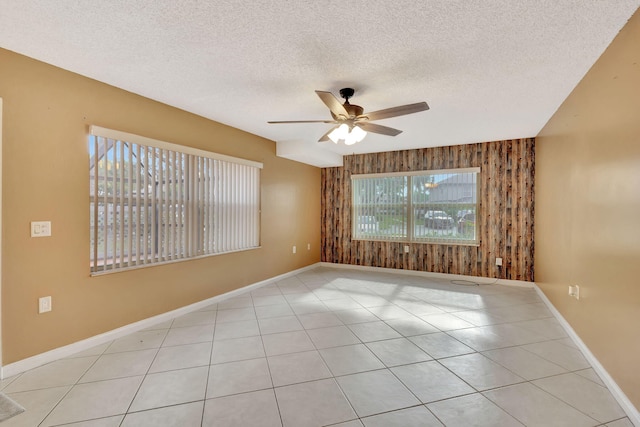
302, 121
325, 137
374, 128
397, 111
332, 102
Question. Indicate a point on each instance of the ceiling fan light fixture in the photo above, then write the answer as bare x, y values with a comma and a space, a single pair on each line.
357, 134
349, 136
341, 132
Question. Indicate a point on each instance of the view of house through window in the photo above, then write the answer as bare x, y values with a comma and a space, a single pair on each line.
427, 206
154, 202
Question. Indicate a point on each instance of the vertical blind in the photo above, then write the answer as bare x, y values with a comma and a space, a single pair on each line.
428, 206
154, 202
379, 207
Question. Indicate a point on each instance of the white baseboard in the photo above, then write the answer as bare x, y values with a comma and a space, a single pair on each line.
68, 350
622, 399
447, 276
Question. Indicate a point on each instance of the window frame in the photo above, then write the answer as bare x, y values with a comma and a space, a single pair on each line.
228, 182
409, 208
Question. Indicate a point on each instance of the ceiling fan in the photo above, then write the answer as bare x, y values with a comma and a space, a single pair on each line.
352, 124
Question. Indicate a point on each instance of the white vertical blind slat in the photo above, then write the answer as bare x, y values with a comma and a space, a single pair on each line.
130, 206
187, 205
149, 181
141, 173
94, 173
114, 194
153, 191
165, 205
169, 202
172, 203
192, 204
201, 204
220, 211
245, 207
207, 205
233, 208
180, 216
211, 217
105, 202
121, 202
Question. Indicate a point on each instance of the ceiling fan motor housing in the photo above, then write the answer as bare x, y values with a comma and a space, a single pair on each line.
353, 110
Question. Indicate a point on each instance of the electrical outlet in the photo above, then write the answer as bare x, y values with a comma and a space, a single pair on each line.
406, 249
574, 291
499, 262
44, 305
294, 249
308, 246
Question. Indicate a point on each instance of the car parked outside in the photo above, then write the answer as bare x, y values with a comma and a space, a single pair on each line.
467, 223
438, 219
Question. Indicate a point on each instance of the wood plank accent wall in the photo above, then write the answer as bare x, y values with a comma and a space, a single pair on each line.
505, 211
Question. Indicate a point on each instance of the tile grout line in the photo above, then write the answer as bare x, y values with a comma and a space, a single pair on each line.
206, 384
73, 385
144, 377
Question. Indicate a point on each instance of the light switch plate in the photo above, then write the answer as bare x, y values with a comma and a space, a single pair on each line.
44, 304
40, 228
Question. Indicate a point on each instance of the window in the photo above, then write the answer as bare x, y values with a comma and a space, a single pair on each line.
153, 202
434, 206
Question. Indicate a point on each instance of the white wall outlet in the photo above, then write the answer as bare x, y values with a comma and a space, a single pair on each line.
294, 249
406, 249
574, 291
499, 262
308, 246
44, 305
40, 228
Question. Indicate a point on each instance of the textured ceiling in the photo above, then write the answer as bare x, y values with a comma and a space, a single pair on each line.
489, 69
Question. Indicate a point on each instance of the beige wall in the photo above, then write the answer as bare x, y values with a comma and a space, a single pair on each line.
588, 209
47, 112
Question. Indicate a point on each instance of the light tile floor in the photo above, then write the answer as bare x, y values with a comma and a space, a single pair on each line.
332, 347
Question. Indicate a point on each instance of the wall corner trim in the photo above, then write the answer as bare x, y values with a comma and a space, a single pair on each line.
622, 399
68, 350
